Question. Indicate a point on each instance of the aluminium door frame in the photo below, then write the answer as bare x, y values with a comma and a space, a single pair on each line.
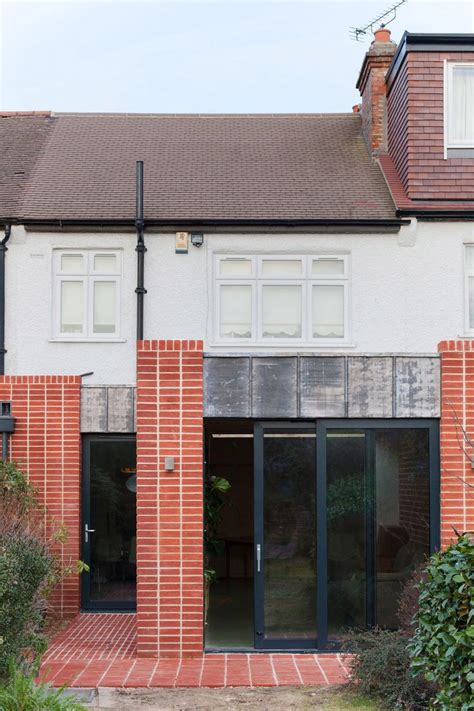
86, 604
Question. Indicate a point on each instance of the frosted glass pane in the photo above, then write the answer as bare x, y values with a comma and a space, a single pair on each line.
328, 267
281, 311
328, 311
471, 302
281, 267
72, 263
104, 306
462, 113
236, 311
105, 263
235, 267
71, 307
470, 259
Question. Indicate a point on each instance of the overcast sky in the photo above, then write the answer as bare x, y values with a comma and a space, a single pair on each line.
192, 56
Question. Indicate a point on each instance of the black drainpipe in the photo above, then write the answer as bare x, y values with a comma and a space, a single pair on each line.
3, 252
140, 250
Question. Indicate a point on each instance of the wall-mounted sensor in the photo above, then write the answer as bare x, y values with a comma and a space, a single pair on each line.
169, 464
197, 239
182, 242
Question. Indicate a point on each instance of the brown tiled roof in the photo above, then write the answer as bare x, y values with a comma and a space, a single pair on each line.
286, 167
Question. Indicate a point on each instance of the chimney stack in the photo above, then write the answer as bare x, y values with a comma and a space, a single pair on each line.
371, 84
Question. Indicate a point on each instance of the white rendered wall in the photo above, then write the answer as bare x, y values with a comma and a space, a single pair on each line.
407, 293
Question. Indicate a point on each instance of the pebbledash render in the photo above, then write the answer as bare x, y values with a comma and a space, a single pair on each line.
307, 337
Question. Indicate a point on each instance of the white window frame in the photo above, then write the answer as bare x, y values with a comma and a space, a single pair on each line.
449, 66
258, 280
88, 278
468, 331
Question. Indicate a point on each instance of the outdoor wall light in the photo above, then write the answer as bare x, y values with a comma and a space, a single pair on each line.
197, 239
169, 464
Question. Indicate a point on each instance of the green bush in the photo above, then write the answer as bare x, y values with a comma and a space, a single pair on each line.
442, 648
22, 693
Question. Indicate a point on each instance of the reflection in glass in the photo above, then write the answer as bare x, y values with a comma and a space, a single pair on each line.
289, 535
113, 512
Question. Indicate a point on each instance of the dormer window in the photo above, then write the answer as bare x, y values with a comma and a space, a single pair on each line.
459, 98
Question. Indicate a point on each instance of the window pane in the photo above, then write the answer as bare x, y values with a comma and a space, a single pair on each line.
71, 306
236, 311
328, 267
72, 263
281, 267
462, 110
104, 306
235, 267
470, 259
471, 302
106, 263
328, 311
281, 308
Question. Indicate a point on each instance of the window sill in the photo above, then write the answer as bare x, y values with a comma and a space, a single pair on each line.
305, 346
87, 340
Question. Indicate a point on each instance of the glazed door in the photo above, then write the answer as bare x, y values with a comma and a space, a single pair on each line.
109, 523
285, 536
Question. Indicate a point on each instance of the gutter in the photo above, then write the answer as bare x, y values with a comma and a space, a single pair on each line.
3, 253
436, 214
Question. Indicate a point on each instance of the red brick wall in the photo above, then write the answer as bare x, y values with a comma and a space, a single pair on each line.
457, 414
416, 130
169, 504
46, 445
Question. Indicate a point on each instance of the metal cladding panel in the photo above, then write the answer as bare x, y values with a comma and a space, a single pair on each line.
94, 409
322, 387
370, 386
274, 387
227, 387
417, 387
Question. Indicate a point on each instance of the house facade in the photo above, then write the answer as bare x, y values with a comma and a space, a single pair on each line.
308, 319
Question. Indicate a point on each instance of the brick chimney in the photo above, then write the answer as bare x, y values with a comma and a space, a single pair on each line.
371, 84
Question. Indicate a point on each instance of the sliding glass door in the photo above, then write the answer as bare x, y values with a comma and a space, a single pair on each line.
345, 510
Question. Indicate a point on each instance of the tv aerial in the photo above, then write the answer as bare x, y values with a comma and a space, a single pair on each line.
390, 14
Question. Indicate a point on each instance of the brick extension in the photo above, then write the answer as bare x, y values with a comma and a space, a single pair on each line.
169, 503
99, 650
457, 414
46, 445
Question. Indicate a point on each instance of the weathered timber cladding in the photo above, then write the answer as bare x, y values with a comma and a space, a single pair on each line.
321, 386
107, 409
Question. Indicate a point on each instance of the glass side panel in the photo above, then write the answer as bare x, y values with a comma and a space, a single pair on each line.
402, 527
104, 306
281, 311
113, 520
72, 306
289, 543
346, 531
328, 311
235, 311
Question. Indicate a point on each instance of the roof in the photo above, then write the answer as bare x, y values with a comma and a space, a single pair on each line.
197, 167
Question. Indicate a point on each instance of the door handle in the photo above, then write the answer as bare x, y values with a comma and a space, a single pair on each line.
259, 558
87, 530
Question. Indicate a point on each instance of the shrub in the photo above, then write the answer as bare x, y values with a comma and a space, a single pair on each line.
442, 648
22, 693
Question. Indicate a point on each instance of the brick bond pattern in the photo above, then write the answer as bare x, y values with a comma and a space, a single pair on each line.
169, 503
457, 476
99, 650
46, 445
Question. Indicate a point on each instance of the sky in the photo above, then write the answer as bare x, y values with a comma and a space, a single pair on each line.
193, 56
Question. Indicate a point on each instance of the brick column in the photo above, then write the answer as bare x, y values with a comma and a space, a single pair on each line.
46, 446
457, 415
169, 503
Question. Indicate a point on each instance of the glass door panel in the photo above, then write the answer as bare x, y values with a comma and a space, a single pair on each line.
109, 523
285, 536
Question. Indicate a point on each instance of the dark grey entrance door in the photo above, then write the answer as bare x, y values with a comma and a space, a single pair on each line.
109, 523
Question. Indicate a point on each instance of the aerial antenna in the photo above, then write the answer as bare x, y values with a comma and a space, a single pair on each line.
357, 32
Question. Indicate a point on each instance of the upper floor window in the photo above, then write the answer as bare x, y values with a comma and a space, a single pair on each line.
281, 299
86, 294
469, 288
460, 104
